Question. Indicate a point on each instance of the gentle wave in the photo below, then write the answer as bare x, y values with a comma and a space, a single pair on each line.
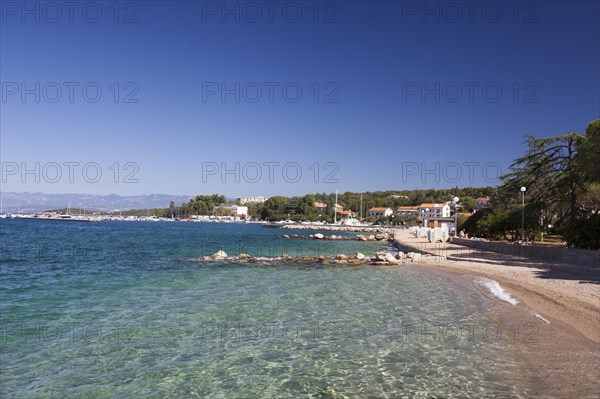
494, 287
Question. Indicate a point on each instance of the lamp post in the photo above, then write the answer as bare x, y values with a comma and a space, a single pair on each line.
455, 200
523, 189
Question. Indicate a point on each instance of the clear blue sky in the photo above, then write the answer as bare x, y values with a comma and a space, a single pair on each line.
374, 59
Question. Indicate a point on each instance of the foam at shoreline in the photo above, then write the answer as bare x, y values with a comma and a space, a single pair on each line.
495, 289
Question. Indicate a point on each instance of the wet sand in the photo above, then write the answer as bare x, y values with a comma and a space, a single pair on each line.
558, 316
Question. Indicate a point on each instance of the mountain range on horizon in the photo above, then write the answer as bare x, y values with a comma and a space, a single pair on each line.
32, 202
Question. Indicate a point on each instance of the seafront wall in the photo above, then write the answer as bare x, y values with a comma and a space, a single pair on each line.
579, 257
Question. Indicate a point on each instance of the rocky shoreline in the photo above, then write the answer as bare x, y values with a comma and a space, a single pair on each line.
359, 237
380, 259
350, 229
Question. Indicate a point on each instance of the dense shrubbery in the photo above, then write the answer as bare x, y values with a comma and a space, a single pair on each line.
584, 233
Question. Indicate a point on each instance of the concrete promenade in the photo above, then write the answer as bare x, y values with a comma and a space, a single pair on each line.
449, 251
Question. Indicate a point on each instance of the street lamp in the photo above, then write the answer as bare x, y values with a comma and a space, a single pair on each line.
523, 189
455, 201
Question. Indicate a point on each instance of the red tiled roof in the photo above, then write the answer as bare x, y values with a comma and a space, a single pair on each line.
378, 209
431, 205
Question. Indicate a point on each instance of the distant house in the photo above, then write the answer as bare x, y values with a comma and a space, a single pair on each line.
407, 211
236, 210
434, 211
349, 218
482, 202
378, 212
252, 200
321, 207
338, 208
348, 213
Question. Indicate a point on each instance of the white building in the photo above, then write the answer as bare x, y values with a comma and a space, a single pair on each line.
236, 210
434, 211
257, 200
378, 212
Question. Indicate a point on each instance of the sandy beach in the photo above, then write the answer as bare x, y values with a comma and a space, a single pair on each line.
564, 309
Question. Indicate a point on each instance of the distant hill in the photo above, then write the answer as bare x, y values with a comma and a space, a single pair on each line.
35, 202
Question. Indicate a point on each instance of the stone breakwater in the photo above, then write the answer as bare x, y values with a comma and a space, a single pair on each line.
380, 259
350, 229
359, 237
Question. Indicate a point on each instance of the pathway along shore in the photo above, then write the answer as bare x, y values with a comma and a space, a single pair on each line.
566, 359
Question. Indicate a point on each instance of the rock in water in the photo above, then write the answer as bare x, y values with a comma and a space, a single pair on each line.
390, 258
219, 255
245, 256
319, 236
359, 256
341, 257
414, 256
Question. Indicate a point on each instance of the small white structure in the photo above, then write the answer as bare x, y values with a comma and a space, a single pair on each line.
437, 235
378, 212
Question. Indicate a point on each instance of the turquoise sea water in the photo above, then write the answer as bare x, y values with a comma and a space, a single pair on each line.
107, 310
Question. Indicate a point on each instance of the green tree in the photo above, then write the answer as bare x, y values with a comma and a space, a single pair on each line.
550, 173
589, 149
468, 203
274, 206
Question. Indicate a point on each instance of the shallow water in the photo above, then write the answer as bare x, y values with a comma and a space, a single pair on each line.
104, 310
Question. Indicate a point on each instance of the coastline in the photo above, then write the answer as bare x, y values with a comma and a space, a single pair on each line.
563, 310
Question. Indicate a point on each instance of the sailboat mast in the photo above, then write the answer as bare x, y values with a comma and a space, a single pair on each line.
360, 206
335, 208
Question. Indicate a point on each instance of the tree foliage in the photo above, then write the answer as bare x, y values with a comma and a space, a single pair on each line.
561, 191
589, 149
202, 205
